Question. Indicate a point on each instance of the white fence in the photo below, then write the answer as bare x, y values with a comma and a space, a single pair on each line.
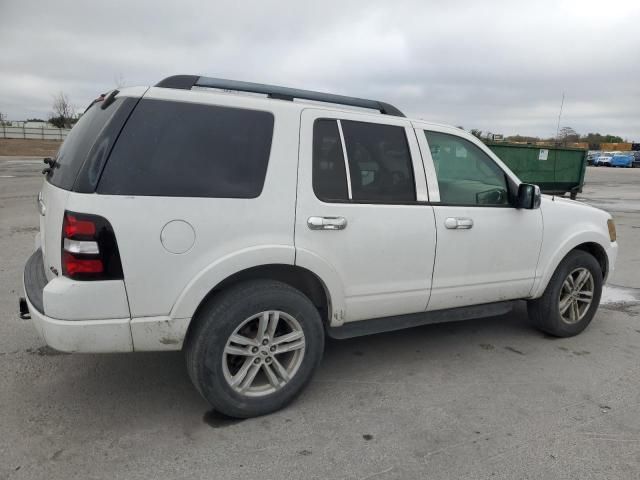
45, 132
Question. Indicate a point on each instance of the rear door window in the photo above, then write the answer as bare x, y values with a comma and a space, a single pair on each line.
379, 162
191, 150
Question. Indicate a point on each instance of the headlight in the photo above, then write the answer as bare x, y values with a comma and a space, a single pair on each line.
612, 229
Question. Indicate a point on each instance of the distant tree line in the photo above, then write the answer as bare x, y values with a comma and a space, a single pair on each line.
566, 136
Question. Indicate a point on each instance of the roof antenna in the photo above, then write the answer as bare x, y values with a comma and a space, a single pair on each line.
559, 116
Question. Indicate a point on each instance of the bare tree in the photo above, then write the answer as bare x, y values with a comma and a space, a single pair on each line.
567, 135
476, 133
2, 118
119, 80
63, 114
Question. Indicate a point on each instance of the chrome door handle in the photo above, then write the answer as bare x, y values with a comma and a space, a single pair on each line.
327, 223
458, 223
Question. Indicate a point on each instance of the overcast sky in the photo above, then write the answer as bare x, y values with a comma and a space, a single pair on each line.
493, 65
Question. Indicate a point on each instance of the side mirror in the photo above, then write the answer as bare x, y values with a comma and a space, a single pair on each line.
528, 196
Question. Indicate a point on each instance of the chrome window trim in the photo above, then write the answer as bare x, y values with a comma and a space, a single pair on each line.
346, 159
429, 167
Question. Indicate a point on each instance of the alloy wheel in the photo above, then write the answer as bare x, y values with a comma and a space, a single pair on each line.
263, 353
576, 295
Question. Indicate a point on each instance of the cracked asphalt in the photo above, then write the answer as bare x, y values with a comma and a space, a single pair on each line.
490, 398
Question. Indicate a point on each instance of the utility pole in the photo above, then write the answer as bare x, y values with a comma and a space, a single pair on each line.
559, 116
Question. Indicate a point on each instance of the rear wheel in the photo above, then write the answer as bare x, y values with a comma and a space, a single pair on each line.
254, 348
572, 297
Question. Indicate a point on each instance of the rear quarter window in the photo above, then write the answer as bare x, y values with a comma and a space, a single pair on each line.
191, 150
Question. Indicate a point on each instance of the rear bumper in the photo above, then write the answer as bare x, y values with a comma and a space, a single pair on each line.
90, 336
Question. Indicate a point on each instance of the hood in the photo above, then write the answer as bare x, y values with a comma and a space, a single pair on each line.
573, 206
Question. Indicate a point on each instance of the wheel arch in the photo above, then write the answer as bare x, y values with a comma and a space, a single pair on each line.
297, 277
598, 252
591, 243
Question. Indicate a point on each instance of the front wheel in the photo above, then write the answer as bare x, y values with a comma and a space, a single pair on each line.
254, 348
572, 297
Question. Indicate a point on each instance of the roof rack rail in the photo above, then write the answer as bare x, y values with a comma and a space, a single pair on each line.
186, 82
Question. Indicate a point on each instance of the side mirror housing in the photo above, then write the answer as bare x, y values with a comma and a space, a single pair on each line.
528, 197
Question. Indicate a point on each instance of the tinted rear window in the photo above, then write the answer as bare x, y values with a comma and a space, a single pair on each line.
191, 150
379, 162
329, 173
78, 144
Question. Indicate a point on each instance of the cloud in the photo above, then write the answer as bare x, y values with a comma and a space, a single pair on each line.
500, 66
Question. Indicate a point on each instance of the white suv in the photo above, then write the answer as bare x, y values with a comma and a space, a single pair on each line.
242, 229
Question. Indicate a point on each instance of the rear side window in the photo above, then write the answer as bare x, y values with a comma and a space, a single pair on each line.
190, 150
82, 137
380, 168
379, 162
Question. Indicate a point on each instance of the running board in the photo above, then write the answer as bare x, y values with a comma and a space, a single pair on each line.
399, 322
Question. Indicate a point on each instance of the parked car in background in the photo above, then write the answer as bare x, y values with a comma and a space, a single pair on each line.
592, 155
622, 160
603, 160
636, 159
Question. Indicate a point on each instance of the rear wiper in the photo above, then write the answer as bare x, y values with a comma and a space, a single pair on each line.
51, 162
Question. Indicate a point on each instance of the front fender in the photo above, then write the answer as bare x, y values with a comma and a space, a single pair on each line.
550, 264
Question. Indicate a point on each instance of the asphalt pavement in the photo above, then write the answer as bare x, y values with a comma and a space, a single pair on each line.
490, 398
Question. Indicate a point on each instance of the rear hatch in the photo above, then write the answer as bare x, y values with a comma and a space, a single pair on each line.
77, 167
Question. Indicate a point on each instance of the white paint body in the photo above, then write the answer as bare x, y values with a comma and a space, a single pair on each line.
389, 260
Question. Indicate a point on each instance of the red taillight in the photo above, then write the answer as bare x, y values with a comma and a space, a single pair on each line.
72, 265
74, 228
89, 248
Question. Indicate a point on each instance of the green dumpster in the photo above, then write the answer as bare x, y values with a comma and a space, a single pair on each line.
556, 170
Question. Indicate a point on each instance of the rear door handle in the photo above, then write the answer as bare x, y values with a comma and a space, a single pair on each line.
327, 223
458, 223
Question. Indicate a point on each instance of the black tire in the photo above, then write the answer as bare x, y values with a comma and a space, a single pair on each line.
544, 312
217, 320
